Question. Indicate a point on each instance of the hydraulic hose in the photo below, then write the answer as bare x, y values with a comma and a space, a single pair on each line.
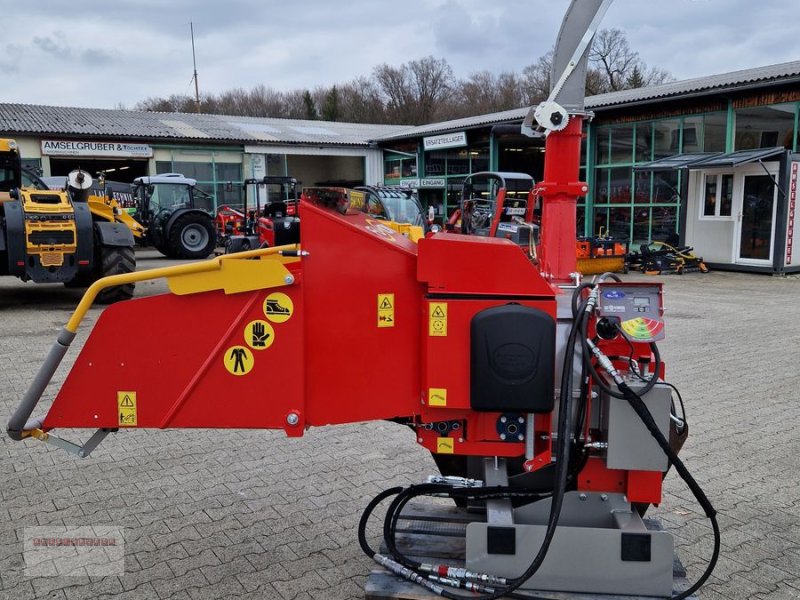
409, 569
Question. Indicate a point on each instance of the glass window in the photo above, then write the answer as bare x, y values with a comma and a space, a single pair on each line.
620, 186
714, 127
622, 144
163, 166
665, 187
277, 165
644, 142
435, 164
710, 195
391, 169
641, 226
692, 134
603, 150
664, 223
614, 221
765, 126
666, 137
227, 193
642, 181
408, 167
195, 170
457, 162
726, 195
228, 171
718, 199
479, 158
601, 186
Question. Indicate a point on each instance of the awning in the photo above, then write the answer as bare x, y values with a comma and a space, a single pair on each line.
676, 161
742, 157
709, 160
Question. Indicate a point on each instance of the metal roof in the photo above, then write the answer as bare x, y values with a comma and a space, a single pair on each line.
20, 119
713, 84
780, 73
516, 114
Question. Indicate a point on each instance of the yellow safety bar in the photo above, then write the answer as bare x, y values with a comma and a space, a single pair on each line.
215, 264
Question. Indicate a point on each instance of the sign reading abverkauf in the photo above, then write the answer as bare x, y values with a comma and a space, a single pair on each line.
98, 149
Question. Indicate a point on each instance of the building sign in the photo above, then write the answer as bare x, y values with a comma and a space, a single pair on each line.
792, 209
97, 149
427, 183
448, 140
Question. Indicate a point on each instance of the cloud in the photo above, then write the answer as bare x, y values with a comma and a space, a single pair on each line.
95, 57
54, 45
144, 45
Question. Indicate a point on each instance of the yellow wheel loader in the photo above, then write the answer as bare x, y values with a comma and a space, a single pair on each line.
62, 236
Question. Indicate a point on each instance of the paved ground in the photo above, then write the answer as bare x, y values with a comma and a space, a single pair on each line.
225, 514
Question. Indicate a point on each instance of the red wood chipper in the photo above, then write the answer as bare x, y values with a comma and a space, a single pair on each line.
541, 398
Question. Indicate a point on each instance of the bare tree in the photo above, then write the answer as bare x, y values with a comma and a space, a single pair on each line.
416, 91
617, 67
536, 80
425, 90
360, 102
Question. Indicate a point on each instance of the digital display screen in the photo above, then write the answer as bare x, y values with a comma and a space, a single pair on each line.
641, 301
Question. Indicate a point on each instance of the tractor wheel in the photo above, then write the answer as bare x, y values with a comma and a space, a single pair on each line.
80, 281
165, 250
192, 236
116, 260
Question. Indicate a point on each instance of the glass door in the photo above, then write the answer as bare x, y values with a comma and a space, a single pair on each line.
756, 219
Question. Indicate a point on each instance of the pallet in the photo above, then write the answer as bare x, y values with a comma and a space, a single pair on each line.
436, 534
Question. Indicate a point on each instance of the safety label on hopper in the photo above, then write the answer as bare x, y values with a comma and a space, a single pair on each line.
385, 310
126, 409
278, 307
437, 321
445, 445
239, 360
437, 397
259, 334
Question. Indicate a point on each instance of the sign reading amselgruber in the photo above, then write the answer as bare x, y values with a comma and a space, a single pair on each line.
448, 140
98, 149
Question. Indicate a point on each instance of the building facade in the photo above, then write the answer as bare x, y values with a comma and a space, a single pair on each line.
643, 158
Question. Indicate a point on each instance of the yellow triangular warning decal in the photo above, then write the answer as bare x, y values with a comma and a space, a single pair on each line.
126, 401
386, 304
438, 313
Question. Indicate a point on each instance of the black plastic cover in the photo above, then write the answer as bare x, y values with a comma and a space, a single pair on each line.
512, 360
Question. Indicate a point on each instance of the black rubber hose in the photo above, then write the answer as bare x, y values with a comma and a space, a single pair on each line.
562, 470
362, 524
641, 410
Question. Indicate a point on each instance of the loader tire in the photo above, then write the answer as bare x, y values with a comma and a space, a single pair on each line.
116, 260
192, 236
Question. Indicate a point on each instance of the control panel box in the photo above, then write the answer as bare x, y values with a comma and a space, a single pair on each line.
637, 308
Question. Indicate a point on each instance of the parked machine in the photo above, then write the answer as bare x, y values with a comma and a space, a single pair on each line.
177, 216
393, 203
66, 236
498, 205
542, 398
276, 224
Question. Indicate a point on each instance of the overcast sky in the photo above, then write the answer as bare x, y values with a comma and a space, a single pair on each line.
117, 52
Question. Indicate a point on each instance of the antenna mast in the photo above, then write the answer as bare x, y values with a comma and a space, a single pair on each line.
194, 62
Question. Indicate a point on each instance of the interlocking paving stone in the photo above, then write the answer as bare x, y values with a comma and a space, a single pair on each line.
226, 514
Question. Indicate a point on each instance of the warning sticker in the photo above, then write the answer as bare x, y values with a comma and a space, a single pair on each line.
238, 360
445, 445
126, 409
437, 319
437, 397
385, 310
259, 335
278, 307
